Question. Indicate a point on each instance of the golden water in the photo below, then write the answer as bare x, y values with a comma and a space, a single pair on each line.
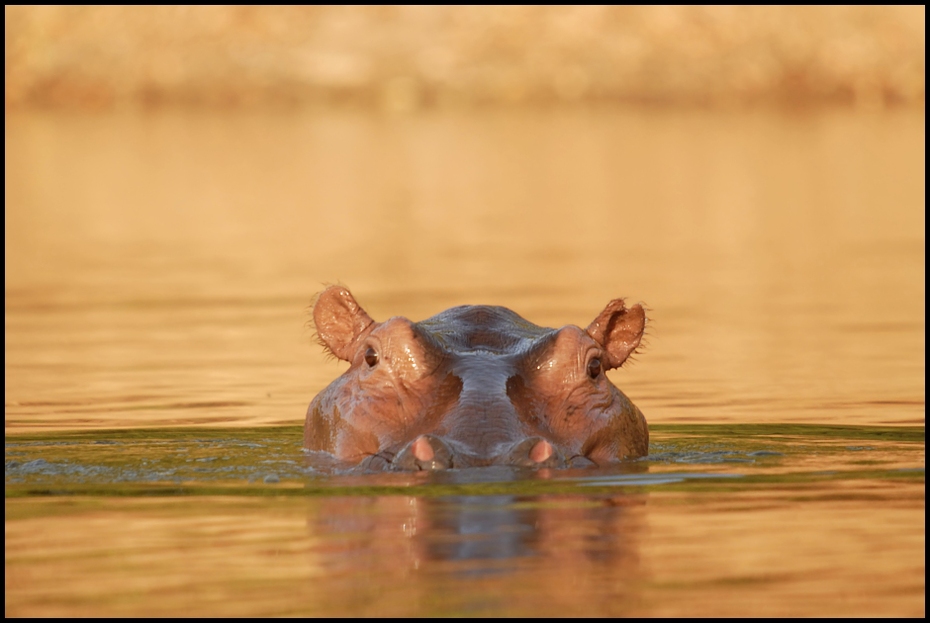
159, 269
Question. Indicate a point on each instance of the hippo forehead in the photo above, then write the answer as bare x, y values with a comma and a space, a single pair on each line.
484, 328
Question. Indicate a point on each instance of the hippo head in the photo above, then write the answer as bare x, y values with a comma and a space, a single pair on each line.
474, 385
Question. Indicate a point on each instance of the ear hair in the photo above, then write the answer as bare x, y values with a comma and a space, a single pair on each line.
339, 321
311, 325
644, 342
618, 330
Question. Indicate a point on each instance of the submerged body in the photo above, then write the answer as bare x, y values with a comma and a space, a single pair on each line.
474, 385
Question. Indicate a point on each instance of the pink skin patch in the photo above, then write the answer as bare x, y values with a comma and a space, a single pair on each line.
541, 451
422, 449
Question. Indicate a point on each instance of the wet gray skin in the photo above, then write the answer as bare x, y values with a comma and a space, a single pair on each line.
475, 385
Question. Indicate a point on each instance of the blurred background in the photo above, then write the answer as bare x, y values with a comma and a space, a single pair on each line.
180, 181
421, 57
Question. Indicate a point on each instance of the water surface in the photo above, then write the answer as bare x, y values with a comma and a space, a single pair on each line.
158, 362
718, 520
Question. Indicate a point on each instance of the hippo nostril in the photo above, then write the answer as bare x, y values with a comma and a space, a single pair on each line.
533, 452
541, 451
426, 453
422, 449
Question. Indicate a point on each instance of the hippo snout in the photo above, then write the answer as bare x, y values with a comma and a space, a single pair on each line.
432, 453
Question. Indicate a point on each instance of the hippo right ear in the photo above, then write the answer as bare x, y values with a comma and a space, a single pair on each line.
618, 330
340, 321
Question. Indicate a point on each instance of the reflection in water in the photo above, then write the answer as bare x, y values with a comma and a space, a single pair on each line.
455, 546
479, 528
491, 531
840, 547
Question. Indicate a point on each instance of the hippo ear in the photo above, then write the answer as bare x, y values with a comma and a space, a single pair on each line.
339, 321
618, 330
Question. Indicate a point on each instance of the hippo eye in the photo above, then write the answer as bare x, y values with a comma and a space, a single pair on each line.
371, 357
594, 368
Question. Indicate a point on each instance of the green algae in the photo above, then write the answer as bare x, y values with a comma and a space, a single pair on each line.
772, 430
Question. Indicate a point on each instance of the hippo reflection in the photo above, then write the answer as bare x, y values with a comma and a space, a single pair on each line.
475, 385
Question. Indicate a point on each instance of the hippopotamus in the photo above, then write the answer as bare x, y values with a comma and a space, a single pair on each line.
475, 385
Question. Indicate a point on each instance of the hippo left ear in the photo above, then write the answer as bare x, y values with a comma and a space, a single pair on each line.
340, 321
618, 330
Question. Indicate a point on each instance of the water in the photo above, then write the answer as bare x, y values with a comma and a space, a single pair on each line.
158, 273
717, 520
